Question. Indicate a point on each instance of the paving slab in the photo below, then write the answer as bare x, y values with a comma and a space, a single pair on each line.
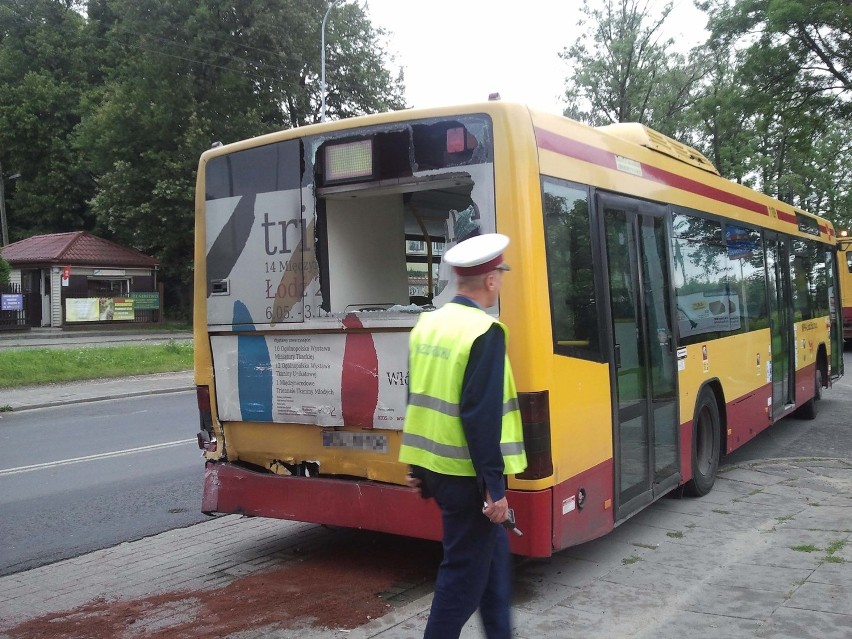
792, 623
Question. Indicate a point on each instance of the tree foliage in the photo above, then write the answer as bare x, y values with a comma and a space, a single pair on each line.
5, 271
793, 77
721, 123
106, 105
766, 97
44, 75
802, 48
624, 71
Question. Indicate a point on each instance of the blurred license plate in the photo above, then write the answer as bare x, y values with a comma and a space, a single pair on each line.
358, 441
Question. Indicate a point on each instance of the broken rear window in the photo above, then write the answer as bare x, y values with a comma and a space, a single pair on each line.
316, 228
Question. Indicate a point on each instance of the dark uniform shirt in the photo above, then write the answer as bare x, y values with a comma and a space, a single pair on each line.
481, 405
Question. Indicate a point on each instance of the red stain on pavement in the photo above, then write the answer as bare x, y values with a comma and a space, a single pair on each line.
336, 588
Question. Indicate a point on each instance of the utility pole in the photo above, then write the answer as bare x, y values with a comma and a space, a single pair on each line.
3, 207
3, 224
322, 57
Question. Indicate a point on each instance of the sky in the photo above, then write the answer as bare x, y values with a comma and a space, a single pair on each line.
456, 51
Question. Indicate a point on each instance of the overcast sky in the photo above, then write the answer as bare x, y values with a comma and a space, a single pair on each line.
456, 51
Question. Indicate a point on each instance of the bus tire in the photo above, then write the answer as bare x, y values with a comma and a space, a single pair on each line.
818, 384
809, 409
706, 438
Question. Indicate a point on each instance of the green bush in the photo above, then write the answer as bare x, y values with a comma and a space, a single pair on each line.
5, 271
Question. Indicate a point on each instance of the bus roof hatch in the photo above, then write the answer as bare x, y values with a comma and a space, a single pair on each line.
643, 136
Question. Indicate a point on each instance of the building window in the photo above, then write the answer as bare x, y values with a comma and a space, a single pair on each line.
108, 287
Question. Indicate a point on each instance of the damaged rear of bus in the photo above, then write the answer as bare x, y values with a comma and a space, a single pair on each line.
316, 250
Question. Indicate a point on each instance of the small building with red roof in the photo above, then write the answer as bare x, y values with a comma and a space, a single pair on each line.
78, 278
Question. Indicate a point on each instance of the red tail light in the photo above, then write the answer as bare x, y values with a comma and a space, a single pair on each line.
535, 416
202, 396
206, 437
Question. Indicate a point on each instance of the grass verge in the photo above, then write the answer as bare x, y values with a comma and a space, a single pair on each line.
46, 365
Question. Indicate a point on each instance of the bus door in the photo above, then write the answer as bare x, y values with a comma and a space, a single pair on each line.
836, 261
643, 363
780, 323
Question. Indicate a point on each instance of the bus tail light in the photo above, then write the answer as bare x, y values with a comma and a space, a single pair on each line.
535, 416
206, 438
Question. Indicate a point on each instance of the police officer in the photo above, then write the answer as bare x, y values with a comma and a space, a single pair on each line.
462, 434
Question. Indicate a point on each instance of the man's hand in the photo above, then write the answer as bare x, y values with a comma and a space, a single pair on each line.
413, 481
496, 511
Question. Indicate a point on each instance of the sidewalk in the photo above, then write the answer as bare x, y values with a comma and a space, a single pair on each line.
768, 553
46, 395
59, 338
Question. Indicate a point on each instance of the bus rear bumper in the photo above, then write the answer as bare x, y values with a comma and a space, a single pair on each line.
360, 504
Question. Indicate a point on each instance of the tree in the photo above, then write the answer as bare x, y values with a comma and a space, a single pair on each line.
803, 48
45, 74
359, 83
623, 71
5, 271
791, 88
105, 111
766, 98
823, 183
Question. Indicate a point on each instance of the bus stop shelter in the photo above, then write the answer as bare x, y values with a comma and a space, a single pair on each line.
77, 279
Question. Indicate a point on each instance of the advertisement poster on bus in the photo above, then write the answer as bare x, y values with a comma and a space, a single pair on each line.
351, 379
700, 313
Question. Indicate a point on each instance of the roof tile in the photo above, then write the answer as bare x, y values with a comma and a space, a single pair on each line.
79, 248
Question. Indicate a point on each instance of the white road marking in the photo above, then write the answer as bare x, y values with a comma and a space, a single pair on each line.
77, 460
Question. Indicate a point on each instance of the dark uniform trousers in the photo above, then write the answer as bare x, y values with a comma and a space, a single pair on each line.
476, 569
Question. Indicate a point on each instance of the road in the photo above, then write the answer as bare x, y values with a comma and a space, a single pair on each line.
79, 478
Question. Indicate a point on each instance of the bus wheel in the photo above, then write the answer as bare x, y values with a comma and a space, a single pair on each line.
706, 431
809, 409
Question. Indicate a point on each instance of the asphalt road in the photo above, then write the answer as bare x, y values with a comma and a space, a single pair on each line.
78, 478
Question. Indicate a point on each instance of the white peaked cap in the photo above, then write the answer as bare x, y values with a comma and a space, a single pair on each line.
479, 254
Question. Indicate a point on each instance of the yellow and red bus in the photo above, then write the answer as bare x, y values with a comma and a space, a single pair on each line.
660, 316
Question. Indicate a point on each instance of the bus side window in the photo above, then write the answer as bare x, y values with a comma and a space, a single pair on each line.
706, 262
748, 276
570, 270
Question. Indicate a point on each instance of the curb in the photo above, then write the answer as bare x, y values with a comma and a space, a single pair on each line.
390, 620
53, 394
846, 461
104, 398
10, 336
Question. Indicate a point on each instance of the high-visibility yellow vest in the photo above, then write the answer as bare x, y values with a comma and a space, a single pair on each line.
439, 349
